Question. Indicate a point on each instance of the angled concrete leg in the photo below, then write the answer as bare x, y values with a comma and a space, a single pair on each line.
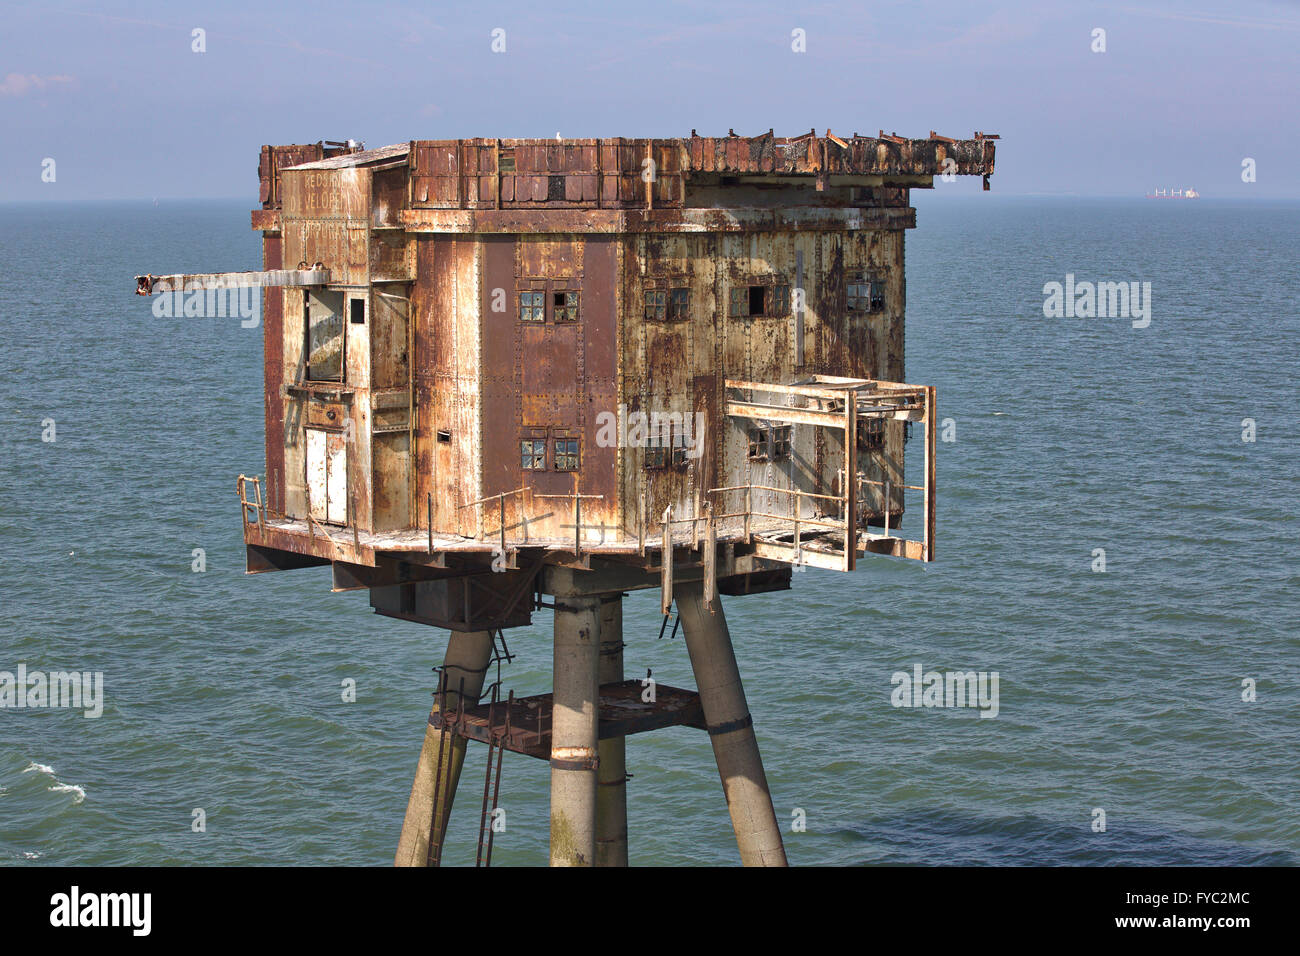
468, 654
611, 793
731, 729
573, 731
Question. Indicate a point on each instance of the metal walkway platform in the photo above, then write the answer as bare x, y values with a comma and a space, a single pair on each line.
523, 724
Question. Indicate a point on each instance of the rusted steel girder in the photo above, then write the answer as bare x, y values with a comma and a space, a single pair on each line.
151, 284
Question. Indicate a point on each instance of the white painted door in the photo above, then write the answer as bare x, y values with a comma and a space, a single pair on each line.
327, 475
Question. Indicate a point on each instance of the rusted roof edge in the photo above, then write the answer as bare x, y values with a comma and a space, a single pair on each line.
364, 158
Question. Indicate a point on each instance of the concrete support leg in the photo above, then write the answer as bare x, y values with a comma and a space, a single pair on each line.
611, 793
731, 729
573, 731
468, 654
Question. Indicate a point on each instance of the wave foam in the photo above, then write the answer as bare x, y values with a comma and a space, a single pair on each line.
69, 788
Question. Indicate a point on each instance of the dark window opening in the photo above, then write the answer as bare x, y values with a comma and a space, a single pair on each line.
357, 311
865, 296
877, 296
871, 434
554, 188
507, 161
782, 442
679, 450
532, 454
564, 306
771, 442
669, 450
760, 300
566, 454
679, 305
673, 305
532, 307
444, 437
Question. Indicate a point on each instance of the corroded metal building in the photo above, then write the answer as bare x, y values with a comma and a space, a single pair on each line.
497, 369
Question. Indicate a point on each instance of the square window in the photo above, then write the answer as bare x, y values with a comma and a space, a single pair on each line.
871, 434
566, 454
771, 442
655, 305
656, 456
739, 300
780, 300
564, 306
865, 295
856, 298
679, 450
532, 454
532, 307
781, 442
679, 309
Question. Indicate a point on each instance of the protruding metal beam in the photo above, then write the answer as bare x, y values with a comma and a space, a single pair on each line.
152, 284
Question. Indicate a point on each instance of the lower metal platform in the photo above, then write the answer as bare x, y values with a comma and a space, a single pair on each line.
523, 724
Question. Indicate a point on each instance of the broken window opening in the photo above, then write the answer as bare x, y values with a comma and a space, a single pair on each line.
532, 307
656, 305
771, 442
532, 454
679, 305
871, 434
564, 306
865, 295
667, 454
753, 301
325, 336
566, 454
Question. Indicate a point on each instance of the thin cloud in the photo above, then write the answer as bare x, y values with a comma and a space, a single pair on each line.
20, 84
1257, 23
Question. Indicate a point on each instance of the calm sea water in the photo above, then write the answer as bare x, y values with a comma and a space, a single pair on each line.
1119, 690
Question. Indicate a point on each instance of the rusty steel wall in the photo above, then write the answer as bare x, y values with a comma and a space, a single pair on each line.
445, 381
326, 218
448, 336
681, 366
273, 374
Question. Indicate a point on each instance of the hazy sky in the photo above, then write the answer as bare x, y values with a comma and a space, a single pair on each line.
115, 95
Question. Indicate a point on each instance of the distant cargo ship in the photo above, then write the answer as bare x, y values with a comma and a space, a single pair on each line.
1174, 194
